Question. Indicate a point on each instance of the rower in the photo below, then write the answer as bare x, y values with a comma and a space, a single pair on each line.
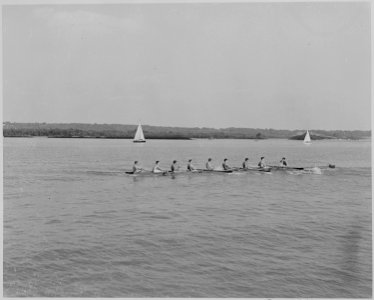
225, 166
245, 163
283, 162
262, 163
174, 166
209, 165
136, 168
190, 167
156, 168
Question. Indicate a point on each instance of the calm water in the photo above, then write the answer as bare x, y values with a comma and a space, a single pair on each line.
76, 225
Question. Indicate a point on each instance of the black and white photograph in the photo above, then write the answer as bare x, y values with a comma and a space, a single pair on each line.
176, 149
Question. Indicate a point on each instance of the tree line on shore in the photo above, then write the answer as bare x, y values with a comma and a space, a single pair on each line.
119, 131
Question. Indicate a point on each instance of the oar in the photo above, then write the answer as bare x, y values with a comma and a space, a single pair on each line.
196, 170
235, 168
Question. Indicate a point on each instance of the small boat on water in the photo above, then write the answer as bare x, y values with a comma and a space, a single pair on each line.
268, 169
307, 139
139, 135
198, 171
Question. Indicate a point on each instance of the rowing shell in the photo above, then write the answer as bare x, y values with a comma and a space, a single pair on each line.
257, 169
286, 168
147, 173
166, 173
218, 171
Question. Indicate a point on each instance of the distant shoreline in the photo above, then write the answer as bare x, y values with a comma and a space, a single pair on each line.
183, 139
121, 131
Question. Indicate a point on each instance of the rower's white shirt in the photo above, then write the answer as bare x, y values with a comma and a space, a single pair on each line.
262, 163
190, 166
209, 166
156, 169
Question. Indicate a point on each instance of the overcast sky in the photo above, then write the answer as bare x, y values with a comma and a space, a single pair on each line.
283, 65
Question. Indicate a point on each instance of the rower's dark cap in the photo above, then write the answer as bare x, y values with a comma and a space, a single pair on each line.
174, 161
283, 158
262, 157
246, 158
189, 160
225, 159
135, 162
157, 161
209, 159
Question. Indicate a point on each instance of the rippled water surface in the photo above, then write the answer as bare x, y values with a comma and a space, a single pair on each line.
76, 225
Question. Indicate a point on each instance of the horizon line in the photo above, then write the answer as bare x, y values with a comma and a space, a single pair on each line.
311, 129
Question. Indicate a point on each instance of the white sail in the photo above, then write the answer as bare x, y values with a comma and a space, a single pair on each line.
307, 139
139, 135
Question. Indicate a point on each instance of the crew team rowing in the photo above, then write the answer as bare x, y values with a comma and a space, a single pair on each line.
209, 166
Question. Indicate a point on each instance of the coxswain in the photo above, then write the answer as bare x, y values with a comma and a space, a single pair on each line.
262, 163
156, 168
225, 166
245, 163
209, 165
283, 162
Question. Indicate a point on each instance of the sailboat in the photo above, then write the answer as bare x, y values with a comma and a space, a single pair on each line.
307, 139
139, 135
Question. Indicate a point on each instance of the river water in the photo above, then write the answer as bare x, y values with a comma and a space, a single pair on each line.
76, 226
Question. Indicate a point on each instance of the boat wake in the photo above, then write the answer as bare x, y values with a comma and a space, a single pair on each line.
314, 170
306, 171
110, 173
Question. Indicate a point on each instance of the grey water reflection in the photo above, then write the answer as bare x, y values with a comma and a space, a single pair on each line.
353, 273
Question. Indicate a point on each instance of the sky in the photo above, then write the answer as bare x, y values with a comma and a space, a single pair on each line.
260, 65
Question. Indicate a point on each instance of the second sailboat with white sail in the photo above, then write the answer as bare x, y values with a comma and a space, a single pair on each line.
139, 135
